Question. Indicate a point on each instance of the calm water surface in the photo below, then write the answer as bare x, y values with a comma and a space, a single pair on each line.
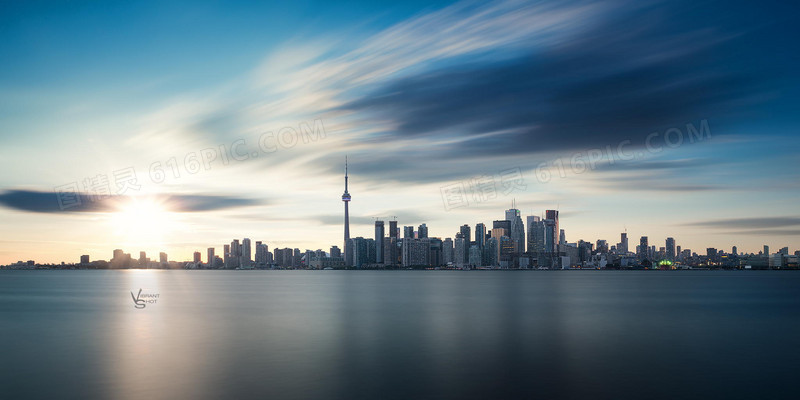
400, 334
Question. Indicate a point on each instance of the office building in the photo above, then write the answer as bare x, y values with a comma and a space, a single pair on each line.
466, 234
622, 248
246, 255
536, 235
459, 251
643, 249
552, 233
491, 252
415, 252
516, 229
447, 251
480, 235
422, 231
475, 256
379, 236
670, 249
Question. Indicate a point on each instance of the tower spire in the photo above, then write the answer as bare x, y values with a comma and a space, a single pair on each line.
346, 200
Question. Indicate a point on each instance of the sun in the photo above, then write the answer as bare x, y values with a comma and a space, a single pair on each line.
142, 222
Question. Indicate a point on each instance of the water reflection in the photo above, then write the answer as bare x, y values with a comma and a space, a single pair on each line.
401, 334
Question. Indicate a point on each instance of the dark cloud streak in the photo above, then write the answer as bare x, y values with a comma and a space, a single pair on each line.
749, 223
633, 75
48, 202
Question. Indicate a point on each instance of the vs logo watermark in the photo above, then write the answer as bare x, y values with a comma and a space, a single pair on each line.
141, 300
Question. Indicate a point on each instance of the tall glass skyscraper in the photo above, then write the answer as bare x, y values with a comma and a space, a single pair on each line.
517, 232
552, 234
480, 235
536, 235
379, 235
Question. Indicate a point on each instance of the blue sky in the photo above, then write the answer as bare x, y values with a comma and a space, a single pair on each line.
421, 96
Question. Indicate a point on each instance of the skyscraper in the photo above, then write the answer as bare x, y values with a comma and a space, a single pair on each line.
447, 251
711, 254
422, 231
623, 243
467, 235
480, 235
390, 252
644, 249
363, 251
459, 251
552, 231
236, 253
501, 224
415, 251
262, 259
491, 252
474, 257
535, 242
393, 231
246, 254
506, 251
379, 234
211, 257
517, 231
346, 199
670, 247
435, 252
408, 232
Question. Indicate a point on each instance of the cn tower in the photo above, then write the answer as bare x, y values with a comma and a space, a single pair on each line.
346, 200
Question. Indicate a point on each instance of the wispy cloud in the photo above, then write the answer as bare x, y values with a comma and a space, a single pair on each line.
503, 79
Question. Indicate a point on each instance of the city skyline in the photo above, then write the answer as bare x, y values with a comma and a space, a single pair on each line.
511, 215
218, 126
541, 238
